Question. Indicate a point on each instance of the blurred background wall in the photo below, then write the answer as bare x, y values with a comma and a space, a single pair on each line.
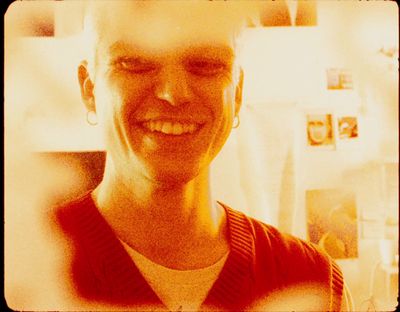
267, 166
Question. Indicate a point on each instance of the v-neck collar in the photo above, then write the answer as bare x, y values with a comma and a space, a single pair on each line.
127, 283
230, 289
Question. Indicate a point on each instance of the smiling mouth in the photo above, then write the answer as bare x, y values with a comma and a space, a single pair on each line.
171, 127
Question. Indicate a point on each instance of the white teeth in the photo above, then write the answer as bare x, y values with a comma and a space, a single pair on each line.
174, 128
157, 126
167, 127
150, 125
178, 128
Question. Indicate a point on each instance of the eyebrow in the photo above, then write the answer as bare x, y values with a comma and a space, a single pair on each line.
218, 50
122, 45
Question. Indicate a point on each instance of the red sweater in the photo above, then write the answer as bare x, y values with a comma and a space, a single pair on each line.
262, 261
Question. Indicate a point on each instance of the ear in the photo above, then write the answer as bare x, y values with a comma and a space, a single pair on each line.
239, 92
86, 86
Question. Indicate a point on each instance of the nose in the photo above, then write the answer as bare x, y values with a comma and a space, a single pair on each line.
172, 86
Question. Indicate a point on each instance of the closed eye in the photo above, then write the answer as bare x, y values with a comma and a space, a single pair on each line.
206, 67
134, 65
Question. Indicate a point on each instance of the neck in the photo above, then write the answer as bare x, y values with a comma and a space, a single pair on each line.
157, 218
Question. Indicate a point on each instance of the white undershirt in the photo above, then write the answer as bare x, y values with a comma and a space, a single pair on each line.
178, 290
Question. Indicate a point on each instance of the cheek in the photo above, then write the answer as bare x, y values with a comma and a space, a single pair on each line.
116, 100
229, 99
219, 96
226, 107
119, 97
104, 103
223, 107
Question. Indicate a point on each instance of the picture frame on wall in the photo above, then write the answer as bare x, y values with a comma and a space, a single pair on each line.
347, 127
332, 221
339, 79
320, 130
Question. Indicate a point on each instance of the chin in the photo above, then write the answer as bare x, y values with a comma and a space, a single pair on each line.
174, 178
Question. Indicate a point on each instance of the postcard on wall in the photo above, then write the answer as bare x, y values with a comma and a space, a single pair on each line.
320, 131
347, 127
332, 221
339, 79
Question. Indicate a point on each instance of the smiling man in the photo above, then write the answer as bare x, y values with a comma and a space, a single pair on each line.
164, 81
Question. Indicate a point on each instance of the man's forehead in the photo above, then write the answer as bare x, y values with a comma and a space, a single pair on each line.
168, 23
215, 50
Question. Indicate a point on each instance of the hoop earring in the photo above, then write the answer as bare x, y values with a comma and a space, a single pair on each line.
91, 118
236, 122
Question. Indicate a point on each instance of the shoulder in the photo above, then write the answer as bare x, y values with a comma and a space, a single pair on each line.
295, 258
267, 237
82, 230
70, 215
281, 260
268, 240
82, 200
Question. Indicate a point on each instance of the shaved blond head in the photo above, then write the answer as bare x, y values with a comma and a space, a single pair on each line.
168, 23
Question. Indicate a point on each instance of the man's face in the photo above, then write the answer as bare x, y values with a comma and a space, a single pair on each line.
166, 88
